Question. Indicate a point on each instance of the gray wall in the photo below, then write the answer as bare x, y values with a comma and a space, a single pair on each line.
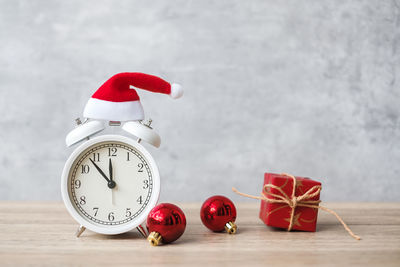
305, 87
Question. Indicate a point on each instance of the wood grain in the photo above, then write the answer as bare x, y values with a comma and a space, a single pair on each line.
43, 234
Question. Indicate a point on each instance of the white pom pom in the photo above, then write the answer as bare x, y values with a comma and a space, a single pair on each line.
176, 91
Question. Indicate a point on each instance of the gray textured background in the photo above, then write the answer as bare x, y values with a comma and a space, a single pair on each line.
305, 87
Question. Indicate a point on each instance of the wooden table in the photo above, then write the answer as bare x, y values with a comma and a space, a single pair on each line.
43, 234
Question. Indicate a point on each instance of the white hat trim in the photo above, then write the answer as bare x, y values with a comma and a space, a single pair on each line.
113, 111
176, 91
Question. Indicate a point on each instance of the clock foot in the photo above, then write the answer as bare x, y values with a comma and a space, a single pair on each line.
80, 230
142, 229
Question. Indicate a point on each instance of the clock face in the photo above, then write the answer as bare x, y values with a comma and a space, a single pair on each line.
110, 183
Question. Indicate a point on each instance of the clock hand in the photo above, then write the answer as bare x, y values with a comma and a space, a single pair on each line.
110, 168
99, 170
111, 184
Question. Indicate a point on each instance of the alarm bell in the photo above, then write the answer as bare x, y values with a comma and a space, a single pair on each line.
143, 131
83, 131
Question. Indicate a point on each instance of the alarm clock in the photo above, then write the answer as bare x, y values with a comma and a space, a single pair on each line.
111, 182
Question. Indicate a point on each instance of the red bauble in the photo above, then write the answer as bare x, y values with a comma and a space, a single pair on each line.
218, 213
166, 223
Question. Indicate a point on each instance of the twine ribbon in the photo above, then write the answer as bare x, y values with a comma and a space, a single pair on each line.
296, 201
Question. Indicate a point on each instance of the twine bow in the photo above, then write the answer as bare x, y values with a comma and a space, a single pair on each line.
294, 201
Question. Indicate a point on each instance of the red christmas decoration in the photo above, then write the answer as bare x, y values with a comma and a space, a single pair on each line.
218, 213
280, 214
166, 223
117, 99
292, 203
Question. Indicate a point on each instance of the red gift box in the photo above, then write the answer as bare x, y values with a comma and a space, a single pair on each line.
285, 209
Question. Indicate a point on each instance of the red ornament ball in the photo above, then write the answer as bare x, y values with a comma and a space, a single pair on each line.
166, 223
218, 213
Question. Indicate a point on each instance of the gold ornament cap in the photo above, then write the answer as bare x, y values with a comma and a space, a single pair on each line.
231, 228
154, 238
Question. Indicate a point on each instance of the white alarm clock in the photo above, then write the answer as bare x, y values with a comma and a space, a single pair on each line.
110, 183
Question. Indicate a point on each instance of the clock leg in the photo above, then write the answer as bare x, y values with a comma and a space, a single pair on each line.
143, 230
80, 230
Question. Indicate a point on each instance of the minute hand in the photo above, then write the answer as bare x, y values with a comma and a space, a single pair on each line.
100, 171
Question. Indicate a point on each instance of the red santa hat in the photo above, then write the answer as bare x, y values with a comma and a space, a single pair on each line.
117, 100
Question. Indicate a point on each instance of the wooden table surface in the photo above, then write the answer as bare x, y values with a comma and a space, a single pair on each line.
43, 234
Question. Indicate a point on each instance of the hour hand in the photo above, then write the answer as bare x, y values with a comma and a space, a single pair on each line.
111, 184
110, 168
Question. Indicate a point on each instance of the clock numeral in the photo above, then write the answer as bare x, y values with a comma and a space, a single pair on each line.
127, 156
95, 211
77, 184
111, 216
112, 151
96, 157
145, 184
85, 168
128, 212
82, 200
139, 200
140, 166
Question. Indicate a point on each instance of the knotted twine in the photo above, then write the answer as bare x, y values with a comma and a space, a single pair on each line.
294, 201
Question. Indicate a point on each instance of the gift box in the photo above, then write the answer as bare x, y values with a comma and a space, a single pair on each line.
291, 202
